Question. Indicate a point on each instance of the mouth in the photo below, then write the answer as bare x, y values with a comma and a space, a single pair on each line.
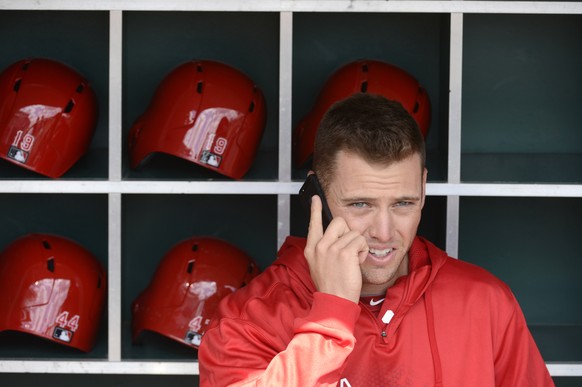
379, 254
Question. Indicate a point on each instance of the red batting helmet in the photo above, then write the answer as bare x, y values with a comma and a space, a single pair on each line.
53, 288
191, 279
48, 114
370, 76
205, 112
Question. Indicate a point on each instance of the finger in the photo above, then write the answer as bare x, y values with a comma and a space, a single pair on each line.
363, 249
355, 242
315, 231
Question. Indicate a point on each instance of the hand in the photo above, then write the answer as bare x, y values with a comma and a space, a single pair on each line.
334, 257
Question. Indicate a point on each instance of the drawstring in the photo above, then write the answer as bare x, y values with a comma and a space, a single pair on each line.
436, 359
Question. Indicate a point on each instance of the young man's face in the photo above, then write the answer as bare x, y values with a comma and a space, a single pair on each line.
384, 204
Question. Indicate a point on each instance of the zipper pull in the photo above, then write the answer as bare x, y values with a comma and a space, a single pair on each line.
387, 317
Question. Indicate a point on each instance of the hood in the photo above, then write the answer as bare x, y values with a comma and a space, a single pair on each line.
425, 261
290, 257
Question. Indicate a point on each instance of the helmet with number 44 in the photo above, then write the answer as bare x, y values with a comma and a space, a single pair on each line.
53, 288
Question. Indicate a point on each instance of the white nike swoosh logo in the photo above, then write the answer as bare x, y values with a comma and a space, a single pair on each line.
374, 303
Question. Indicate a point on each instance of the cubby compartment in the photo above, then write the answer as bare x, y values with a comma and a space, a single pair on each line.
153, 224
81, 41
80, 218
521, 93
155, 43
416, 43
531, 244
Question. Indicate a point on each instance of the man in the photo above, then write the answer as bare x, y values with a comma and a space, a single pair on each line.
367, 302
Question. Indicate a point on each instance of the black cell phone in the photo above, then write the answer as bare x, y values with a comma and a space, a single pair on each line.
308, 189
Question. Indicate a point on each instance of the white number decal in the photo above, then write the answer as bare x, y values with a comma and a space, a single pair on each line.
220, 145
195, 324
26, 143
74, 322
17, 138
63, 320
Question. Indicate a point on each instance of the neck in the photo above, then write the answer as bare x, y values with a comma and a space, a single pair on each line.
369, 289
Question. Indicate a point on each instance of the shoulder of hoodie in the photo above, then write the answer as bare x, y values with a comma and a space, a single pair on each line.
286, 279
467, 278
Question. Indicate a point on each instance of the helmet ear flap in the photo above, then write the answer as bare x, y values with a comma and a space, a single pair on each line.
134, 133
304, 138
422, 111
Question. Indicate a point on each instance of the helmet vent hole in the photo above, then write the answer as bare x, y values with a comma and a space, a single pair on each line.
195, 247
16, 86
190, 267
199, 68
365, 67
46, 245
50, 264
199, 87
69, 106
80, 88
416, 106
25, 66
364, 87
252, 106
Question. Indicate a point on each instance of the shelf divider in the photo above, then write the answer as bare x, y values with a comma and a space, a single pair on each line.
454, 151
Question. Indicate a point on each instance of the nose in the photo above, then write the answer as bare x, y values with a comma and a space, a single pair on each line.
382, 226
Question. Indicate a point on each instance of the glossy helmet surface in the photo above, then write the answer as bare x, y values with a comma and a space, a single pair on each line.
53, 288
369, 76
189, 282
205, 112
48, 114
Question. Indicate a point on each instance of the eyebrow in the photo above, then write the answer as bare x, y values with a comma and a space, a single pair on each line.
405, 198
408, 198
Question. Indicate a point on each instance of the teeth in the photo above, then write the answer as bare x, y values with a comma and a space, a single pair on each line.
380, 253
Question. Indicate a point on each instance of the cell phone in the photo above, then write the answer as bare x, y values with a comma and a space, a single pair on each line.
308, 189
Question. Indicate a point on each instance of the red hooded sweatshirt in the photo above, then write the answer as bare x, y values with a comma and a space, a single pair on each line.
447, 323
